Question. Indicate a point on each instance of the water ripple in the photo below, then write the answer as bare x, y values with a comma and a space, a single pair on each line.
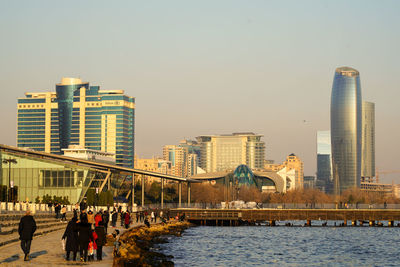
285, 246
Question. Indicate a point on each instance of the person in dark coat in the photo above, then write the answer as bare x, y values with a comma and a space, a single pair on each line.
100, 241
71, 235
26, 229
83, 205
122, 217
114, 218
106, 219
84, 237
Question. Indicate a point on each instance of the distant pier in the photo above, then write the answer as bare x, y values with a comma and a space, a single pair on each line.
234, 217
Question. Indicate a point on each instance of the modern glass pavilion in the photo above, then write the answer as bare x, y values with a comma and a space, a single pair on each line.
38, 173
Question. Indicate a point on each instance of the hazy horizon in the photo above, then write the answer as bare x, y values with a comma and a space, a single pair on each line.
211, 67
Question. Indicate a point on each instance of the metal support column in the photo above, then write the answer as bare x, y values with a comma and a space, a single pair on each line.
162, 193
133, 191
188, 194
180, 193
142, 191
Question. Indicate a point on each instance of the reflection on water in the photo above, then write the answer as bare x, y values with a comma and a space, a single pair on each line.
285, 246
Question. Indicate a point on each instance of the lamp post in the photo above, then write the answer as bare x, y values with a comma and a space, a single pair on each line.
8, 161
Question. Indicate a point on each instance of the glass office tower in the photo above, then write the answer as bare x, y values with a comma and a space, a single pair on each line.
78, 114
346, 129
324, 164
368, 141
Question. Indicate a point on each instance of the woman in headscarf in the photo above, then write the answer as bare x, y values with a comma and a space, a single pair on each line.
71, 235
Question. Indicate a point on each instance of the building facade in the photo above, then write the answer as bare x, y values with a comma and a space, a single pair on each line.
294, 166
178, 156
309, 182
324, 163
294, 162
346, 129
226, 152
368, 142
78, 114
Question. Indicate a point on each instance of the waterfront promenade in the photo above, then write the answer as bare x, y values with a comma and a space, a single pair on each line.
46, 250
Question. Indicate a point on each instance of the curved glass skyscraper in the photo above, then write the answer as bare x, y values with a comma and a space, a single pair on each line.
66, 90
346, 110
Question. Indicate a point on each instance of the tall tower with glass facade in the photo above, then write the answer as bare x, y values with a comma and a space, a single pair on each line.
368, 141
78, 114
346, 108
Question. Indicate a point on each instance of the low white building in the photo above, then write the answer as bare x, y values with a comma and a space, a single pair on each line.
89, 154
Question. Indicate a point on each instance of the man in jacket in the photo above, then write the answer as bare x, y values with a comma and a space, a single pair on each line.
26, 228
84, 237
101, 240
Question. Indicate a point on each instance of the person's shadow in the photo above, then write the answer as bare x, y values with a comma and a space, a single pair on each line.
10, 259
17, 257
37, 254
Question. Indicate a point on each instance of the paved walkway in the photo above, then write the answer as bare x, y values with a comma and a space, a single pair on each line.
47, 250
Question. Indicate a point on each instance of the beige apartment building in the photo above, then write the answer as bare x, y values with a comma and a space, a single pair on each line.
178, 156
292, 162
226, 152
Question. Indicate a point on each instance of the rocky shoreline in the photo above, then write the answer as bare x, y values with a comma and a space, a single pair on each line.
136, 244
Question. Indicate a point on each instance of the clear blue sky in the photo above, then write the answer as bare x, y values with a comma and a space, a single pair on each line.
210, 67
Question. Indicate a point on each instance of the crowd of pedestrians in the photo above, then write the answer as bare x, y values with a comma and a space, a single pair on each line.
87, 230
86, 234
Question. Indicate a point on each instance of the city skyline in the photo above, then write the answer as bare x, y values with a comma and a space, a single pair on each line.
244, 68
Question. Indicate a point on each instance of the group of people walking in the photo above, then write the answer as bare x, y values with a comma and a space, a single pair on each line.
86, 235
86, 232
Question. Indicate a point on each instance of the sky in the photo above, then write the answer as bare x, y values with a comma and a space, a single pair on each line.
211, 67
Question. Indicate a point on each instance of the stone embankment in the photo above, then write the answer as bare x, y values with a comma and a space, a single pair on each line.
136, 244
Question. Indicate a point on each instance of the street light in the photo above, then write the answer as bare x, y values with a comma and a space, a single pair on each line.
8, 161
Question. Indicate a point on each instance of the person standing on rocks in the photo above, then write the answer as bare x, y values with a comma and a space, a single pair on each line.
26, 229
71, 235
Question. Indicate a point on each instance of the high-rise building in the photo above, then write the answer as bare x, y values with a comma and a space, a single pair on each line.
192, 146
368, 142
178, 156
78, 114
324, 162
294, 162
309, 182
346, 129
224, 152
